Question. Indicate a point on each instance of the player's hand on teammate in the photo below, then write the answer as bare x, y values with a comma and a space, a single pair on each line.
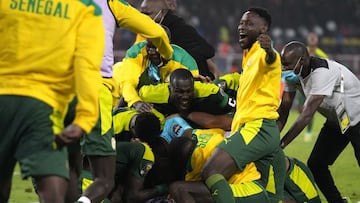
70, 134
142, 106
203, 79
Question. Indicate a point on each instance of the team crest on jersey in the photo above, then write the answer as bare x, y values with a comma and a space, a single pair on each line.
145, 169
250, 61
176, 129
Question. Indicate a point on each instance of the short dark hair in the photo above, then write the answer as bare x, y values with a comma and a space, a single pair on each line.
263, 13
298, 48
147, 126
180, 74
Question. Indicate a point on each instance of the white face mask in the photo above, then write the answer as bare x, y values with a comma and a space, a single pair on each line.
157, 15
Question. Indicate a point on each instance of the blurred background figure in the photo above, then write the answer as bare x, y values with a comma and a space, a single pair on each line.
312, 41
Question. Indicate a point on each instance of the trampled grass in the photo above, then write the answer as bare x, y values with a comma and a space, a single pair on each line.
345, 170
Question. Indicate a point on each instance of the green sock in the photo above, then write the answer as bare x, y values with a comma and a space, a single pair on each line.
220, 189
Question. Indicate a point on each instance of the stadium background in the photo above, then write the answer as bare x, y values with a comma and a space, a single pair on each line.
336, 22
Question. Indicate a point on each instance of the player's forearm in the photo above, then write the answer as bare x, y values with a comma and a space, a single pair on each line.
130, 18
130, 94
296, 129
270, 56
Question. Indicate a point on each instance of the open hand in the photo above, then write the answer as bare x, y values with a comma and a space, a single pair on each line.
142, 106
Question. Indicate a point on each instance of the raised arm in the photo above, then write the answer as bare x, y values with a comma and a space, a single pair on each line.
128, 17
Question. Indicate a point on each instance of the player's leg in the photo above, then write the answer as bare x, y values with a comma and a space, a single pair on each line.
8, 129
117, 193
215, 174
256, 140
99, 147
75, 166
279, 168
75, 158
6, 174
259, 141
190, 192
46, 164
300, 183
329, 144
103, 172
51, 188
354, 136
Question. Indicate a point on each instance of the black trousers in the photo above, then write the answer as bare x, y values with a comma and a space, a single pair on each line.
329, 144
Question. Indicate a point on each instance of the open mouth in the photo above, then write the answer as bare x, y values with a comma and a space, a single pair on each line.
242, 36
184, 104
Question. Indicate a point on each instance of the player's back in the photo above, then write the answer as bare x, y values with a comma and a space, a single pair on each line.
42, 41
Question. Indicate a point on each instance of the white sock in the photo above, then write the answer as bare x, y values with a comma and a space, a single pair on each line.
84, 199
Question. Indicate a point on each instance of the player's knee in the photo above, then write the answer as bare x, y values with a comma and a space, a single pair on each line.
106, 183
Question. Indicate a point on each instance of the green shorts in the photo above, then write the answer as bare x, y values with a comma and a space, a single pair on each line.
258, 141
100, 141
300, 184
28, 127
249, 192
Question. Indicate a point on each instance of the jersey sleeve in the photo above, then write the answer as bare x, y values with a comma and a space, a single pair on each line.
128, 17
157, 94
214, 94
87, 63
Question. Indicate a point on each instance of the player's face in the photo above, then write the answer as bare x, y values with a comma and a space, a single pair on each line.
312, 40
153, 54
249, 29
155, 9
290, 61
181, 94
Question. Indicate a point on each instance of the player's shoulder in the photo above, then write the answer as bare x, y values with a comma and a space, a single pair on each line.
92, 3
135, 49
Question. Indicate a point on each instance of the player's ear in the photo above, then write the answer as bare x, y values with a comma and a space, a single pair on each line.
263, 28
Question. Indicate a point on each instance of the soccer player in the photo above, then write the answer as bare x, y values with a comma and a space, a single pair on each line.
333, 90
183, 95
299, 185
47, 55
183, 35
136, 157
97, 145
255, 135
143, 65
189, 151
